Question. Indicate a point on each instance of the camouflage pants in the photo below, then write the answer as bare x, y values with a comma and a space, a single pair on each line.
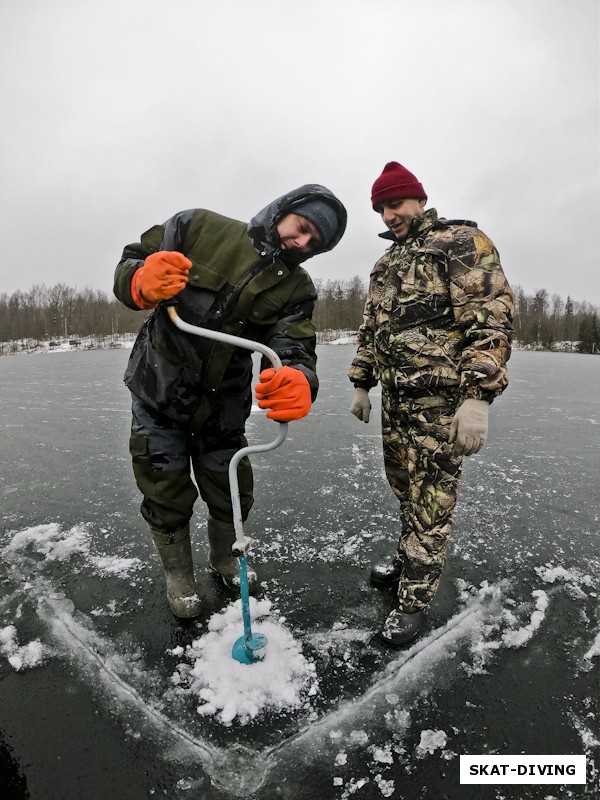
424, 476
164, 455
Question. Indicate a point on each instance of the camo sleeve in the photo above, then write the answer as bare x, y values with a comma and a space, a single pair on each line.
483, 307
362, 369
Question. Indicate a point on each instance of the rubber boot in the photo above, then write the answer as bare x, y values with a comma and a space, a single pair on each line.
385, 575
221, 536
401, 627
175, 551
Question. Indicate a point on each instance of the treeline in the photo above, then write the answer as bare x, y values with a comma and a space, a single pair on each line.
340, 304
55, 312
549, 322
541, 321
60, 311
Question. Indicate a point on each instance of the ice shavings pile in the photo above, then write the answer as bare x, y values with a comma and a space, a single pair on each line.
20, 657
284, 679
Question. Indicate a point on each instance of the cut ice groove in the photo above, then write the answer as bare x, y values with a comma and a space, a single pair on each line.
248, 770
74, 632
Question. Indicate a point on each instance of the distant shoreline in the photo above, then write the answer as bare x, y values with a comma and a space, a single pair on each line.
119, 341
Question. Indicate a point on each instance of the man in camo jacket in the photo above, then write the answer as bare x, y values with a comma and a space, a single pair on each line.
436, 334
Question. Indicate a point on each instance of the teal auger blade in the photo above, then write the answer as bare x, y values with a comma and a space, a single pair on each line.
247, 648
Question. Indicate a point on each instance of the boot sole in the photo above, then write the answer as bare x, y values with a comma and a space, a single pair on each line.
192, 614
398, 645
384, 584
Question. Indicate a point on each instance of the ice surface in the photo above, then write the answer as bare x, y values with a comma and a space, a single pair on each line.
526, 657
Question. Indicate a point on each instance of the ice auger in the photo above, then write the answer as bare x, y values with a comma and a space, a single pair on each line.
247, 648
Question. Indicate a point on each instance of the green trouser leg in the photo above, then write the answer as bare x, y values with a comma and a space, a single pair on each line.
175, 552
221, 536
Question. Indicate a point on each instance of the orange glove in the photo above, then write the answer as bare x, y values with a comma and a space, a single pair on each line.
286, 391
163, 275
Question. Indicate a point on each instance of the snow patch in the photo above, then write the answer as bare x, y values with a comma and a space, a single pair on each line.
20, 657
383, 755
520, 636
505, 624
594, 649
572, 577
387, 788
113, 565
55, 544
51, 541
430, 741
344, 340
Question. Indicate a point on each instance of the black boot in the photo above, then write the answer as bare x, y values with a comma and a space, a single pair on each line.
401, 627
386, 574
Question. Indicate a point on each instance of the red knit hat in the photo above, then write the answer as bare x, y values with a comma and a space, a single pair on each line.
396, 181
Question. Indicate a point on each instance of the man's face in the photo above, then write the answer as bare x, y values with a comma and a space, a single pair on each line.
398, 214
298, 233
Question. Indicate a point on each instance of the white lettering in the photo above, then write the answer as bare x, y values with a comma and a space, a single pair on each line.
522, 769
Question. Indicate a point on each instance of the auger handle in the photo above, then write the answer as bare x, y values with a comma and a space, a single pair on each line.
242, 542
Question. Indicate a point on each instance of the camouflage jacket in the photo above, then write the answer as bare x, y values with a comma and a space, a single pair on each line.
438, 314
240, 283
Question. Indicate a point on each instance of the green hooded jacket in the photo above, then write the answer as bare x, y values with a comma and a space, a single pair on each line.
241, 283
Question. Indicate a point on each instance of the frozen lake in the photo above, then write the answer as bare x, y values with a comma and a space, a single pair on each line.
509, 663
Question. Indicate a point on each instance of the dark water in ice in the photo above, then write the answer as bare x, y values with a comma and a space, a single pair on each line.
505, 668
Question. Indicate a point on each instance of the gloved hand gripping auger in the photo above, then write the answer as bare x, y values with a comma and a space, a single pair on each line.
245, 649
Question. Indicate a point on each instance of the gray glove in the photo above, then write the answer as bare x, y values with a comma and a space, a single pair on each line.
361, 407
469, 427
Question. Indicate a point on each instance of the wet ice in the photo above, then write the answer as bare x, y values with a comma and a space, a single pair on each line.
525, 523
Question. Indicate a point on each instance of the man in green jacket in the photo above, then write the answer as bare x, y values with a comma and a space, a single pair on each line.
436, 334
191, 396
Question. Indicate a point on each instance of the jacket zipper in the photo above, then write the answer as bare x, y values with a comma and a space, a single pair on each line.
263, 263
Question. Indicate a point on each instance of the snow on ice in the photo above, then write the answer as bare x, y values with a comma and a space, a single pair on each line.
56, 544
430, 741
51, 541
594, 649
220, 687
20, 657
520, 636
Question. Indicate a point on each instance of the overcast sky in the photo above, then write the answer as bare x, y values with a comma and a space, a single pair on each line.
117, 114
